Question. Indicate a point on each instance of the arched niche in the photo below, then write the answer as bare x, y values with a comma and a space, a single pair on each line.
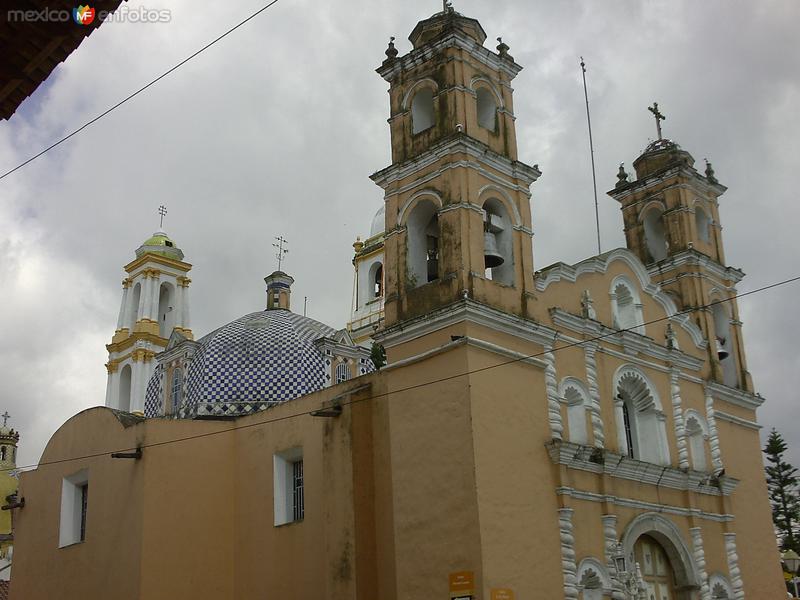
423, 115
166, 309
422, 241
641, 423
668, 536
702, 223
696, 438
134, 306
654, 232
578, 402
487, 108
125, 389
498, 239
626, 305
593, 579
720, 587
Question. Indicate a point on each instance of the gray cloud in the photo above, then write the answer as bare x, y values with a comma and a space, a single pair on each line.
276, 129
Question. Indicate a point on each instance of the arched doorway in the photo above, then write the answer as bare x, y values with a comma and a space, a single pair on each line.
664, 558
657, 572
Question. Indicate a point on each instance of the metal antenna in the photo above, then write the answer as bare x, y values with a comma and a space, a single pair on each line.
591, 150
162, 210
281, 250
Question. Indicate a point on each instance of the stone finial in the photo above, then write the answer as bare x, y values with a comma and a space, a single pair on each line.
587, 306
669, 336
622, 176
358, 245
710, 173
503, 48
391, 51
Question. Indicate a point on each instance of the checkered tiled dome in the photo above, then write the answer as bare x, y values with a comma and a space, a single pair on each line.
253, 362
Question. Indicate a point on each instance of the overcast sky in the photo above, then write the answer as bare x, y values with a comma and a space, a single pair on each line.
275, 130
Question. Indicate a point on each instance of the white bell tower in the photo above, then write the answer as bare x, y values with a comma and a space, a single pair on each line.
155, 304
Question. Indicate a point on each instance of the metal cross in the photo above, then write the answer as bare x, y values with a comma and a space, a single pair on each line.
6, 417
659, 117
281, 250
162, 210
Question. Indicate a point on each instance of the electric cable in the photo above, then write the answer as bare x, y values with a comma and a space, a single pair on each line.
140, 90
413, 386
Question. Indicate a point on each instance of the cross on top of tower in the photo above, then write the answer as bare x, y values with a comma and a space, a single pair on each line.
162, 210
447, 6
6, 417
281, 251
659, 117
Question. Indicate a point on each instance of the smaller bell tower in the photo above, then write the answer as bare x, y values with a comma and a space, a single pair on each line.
155, 304
671, 217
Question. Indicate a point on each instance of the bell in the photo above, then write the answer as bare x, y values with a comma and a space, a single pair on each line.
491, 255
722, 350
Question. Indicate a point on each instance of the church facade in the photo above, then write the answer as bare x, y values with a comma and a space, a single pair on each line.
580, 431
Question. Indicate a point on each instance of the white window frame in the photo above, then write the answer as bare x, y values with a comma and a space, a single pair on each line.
633, 320
343, 372
284, 488
73, 518
577, 399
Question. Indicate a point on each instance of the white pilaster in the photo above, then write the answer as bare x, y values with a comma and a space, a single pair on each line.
179, 293
610, 547
185, 306
590, 351
700, 561
677, 417
123, 308
619, 417
147, 297
111, 390
156, 291
568, 554
553, 404
733, 566
713, 436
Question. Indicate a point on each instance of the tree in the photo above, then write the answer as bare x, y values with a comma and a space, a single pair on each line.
378, 355
782, 482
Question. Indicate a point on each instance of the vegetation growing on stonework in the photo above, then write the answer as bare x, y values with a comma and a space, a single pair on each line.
378, 355
782, 481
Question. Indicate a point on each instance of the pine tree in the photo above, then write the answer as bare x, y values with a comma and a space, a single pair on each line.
782, 482
378, 355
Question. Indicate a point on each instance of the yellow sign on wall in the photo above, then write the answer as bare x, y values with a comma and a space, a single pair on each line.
462, 584
502, 594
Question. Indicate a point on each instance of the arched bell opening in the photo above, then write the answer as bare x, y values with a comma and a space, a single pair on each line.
724, 344
125, 389
702, 223
166, 310
487, 109
654, 234
498, 242
423, 244
422, 112
133, 312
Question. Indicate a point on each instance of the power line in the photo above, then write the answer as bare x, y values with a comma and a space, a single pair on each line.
140, 90
416, 385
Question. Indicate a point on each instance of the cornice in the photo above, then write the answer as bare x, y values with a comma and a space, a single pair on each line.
632, 343
454, 144
733, 396
723, 416
698, 182
161, 260
600, 461
693, 258
454, 39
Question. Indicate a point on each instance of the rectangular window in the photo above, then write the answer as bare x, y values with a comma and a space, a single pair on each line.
288, 486
297, 490
84, 502
74, 508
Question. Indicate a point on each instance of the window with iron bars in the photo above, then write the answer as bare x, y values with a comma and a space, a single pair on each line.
298, 500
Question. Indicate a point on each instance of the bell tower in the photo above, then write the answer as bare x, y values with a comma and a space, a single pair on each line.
155, 306
458, 218
671, 217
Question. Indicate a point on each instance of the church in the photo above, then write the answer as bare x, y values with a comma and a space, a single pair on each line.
583, 431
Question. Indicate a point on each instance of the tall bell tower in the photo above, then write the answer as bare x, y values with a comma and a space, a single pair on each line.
458, 218
155, 306
672, 223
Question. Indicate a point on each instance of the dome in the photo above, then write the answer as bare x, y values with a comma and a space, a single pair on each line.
254, 362
160, 243
378, 222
